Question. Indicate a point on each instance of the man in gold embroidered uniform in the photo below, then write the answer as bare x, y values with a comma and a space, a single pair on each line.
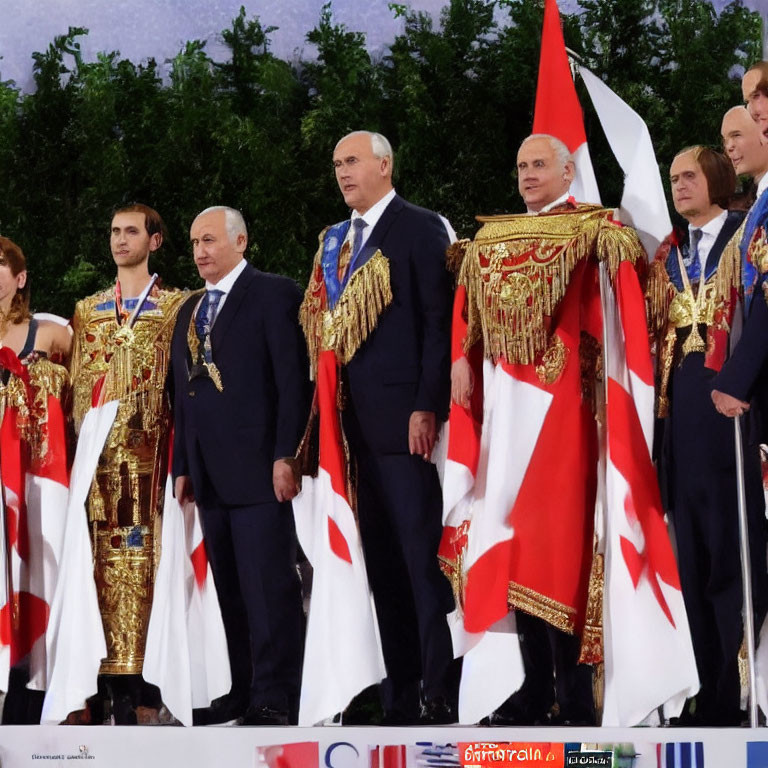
121, 351
692, 291
528, 318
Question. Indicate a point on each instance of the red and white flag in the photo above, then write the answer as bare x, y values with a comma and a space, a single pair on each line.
558, 112
35, 491
492, 667
649, 659
186, 654
75, 640
342, 653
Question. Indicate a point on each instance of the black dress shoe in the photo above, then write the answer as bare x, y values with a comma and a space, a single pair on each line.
263, 715
364, 709
516, 712
395, 718
437, 711
225, 709
123, 710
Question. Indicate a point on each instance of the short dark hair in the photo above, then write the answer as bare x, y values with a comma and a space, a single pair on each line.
152, 220
762, 83
718, 171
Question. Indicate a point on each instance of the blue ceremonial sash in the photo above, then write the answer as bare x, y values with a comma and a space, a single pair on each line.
673, 266
332, 242
755, 218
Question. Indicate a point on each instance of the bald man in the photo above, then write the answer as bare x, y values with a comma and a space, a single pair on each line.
747, 149
521, 283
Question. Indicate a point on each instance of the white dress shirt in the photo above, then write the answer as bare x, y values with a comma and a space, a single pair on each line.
762, 185
225, 284
709, 233
549, 206
370, 217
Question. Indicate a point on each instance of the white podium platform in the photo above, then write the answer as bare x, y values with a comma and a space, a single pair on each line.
356, 747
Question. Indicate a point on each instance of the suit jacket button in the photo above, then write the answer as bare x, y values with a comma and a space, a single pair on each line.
191, 392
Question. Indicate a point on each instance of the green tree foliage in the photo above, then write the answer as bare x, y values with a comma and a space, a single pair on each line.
455, 97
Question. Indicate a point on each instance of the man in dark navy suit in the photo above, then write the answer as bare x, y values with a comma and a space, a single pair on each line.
241, 387
396, 392
691, 297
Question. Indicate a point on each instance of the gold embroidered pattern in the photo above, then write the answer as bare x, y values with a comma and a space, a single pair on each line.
126, 494
591, 368
592, 635
558, 614
46, 379
124, 584
552, 361
518, 268
670, 310
758, 250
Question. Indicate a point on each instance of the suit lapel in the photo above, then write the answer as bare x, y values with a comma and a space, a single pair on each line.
231, 305
379, 232
726, 233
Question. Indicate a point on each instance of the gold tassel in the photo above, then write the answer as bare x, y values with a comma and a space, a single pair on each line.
616, 244
454, 256
356, 314
658, 295
518, 269
312, 309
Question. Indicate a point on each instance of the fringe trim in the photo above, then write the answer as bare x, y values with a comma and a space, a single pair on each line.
356, 314
617, 244
518, 268
312, 308
658, 296
454, 256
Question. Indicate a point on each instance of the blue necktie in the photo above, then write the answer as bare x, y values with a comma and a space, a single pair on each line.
359, 225
206, 314
694, 266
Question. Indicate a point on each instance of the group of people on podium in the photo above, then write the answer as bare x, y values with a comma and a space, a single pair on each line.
214, 387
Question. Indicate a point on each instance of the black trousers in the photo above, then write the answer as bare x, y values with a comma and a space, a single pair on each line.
400, 512
704, 512
252, 551
552, 673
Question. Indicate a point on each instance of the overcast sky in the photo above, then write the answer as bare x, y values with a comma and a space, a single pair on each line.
140, 29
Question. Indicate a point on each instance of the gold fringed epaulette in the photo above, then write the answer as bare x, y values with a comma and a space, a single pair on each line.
46, 380
616, 244
658, 295
356, 314
454, 256
728, 277
312, 308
